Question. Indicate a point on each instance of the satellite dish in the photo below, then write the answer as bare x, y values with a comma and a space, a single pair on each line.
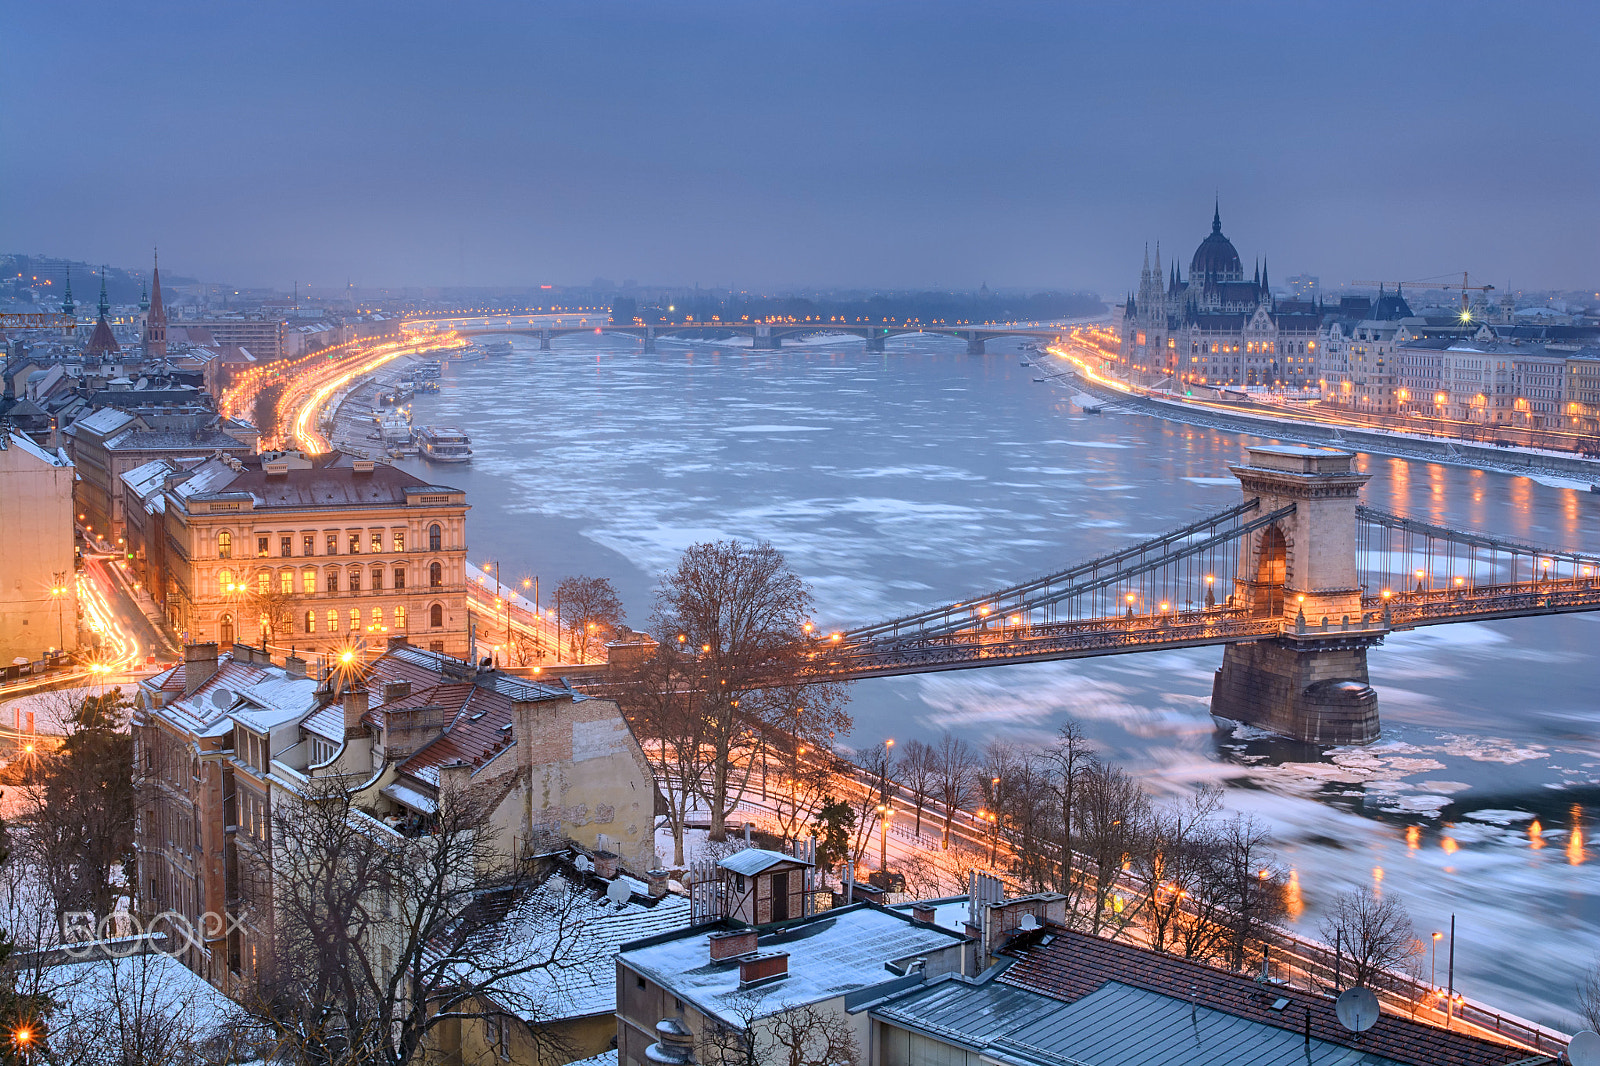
222, 699
1357, 1009
1584, 1050
618, 892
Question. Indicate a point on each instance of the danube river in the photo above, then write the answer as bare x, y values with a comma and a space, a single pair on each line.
921, 474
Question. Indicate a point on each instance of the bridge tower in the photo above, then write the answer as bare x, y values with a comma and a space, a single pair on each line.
1310, 682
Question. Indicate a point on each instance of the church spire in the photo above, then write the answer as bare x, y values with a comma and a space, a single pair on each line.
67, 306
1216, 216
1156, 274
1266, 286
1258, 273
155, 323
105, 301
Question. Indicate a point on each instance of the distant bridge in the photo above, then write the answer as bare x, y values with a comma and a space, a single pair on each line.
1316, 579
765, 335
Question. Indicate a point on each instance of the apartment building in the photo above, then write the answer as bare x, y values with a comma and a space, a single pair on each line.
38, 596
314, 554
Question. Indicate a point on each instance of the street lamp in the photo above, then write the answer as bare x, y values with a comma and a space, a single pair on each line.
1433, 968
884, 812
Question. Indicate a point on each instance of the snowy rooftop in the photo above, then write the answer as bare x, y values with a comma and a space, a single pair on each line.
836, 953
752, 861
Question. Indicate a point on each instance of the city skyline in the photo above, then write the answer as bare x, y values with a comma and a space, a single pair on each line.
1022, 147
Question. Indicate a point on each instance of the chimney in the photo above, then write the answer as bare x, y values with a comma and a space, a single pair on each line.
606, 865
396, 690
767, 966
657, 880
361, 466
199, 663
455, 776
734, 942
922, 912
295, 667
355, 707
522, 733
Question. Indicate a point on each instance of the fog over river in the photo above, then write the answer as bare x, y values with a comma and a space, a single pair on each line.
921, 474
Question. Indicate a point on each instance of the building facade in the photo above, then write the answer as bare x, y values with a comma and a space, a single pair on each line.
317, 554
1217, 327
38, 587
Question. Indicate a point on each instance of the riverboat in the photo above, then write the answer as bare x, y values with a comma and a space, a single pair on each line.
497, 347
444, 444
428, 371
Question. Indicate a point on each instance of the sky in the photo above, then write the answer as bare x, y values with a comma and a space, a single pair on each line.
780, 145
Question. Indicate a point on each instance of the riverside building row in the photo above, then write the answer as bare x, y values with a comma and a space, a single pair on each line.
1224, 330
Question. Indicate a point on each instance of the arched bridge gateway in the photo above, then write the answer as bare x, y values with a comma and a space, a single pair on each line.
764, 335
1297, 581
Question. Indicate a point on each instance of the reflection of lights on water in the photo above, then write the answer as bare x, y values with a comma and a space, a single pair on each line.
1449, 845
1535, 835
1413, 837
1575, 853
1377, 877
1291, 896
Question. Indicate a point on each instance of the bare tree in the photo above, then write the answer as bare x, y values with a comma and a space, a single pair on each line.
742, 614
590, 609
1173, 858
659, 699
918, 770
1111, 812
1375, 934
1589, 996
380, 939
1250, 882
957, 773
778, 1035
1067, 761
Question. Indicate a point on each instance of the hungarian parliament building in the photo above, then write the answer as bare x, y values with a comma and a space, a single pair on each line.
1217, 327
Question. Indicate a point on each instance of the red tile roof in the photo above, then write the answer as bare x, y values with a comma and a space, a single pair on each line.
1071, 965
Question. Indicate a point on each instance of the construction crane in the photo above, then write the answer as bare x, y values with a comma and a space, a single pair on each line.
1434, 283
36, 321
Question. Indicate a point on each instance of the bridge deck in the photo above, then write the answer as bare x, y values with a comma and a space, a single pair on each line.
998, 645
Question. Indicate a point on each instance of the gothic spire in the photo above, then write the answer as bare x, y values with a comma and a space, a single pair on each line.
67, 306
105, 301
1216, 216
1265, 285
1258, 273
155, 323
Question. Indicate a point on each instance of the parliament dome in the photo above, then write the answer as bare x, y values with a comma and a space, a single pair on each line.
1216, 259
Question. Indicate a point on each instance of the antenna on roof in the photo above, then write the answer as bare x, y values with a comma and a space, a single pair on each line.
1357, 1009
1584, 1048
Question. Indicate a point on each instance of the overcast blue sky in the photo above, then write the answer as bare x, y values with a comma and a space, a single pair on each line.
787, 144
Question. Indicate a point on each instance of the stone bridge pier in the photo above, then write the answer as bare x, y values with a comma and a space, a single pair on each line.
764, 340
875, 343
649, 338
544, 339
975, 344
1310, 682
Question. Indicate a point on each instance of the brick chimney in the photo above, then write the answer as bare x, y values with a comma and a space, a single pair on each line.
295, 667
922, 912
455, 776
199, 664
753, 969
734, 942
657, 880
355, 706
396, 690
606, 864
522, 717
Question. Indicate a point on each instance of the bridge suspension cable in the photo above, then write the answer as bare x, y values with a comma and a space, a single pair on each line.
1397, 554
1177, 568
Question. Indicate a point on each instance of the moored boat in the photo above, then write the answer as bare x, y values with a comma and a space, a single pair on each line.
444, 444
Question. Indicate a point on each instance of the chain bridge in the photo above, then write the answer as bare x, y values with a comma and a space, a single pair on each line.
1297, 581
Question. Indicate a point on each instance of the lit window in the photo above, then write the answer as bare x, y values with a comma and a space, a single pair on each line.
225, 582
311, 621
377, 541
355, 618
435, 576
286, 582
399, 541
333, 621
308, 581
264, 582
333, 544
224, 545
399, 617
355, 544
377, 616
261, 546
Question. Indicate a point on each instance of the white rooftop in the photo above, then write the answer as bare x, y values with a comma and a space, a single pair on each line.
833, 954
